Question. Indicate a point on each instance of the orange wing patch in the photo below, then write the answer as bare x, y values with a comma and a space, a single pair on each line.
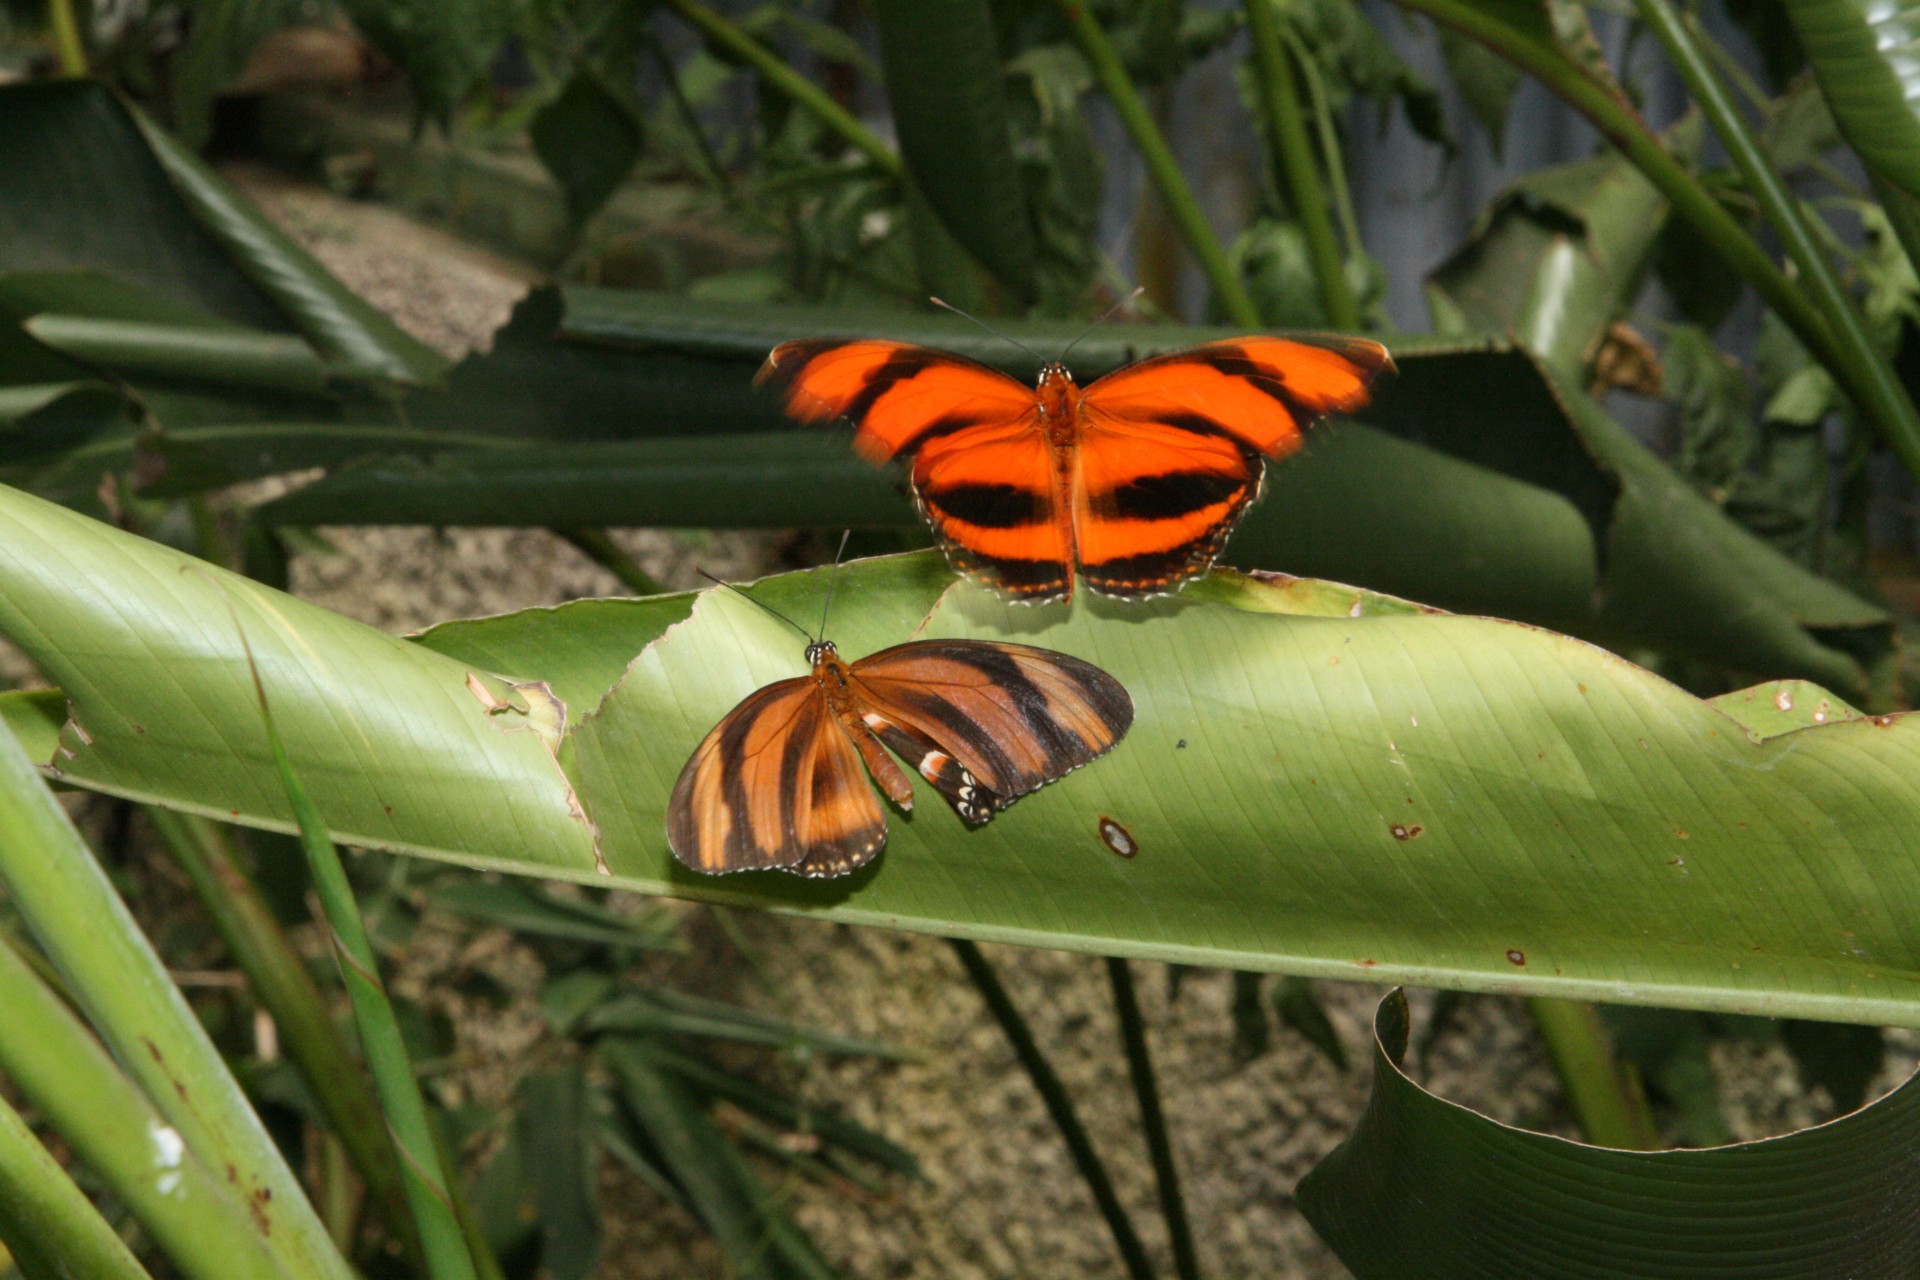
744, 800
897, 395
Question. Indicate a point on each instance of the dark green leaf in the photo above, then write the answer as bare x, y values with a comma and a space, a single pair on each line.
1470, 1198
1485, 80
1839, 1057
668, 1011
1671, 1048
1252, 1033
525, 909
1298, 1004
1716, 410
555, 1132
829, 1125
589, 140
693, 1150
444, 46
946, 87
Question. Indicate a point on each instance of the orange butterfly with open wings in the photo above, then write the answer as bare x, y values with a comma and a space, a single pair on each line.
1135, 481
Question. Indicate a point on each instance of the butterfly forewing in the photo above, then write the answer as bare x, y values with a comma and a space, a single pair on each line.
1014, 717
1263, 392
899, 396
744, 799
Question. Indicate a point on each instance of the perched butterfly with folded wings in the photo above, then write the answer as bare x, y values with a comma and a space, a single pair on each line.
1135, 481
778, 783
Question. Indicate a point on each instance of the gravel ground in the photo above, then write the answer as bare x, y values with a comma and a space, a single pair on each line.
1001, 1197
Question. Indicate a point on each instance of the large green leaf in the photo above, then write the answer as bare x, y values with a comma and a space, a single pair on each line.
1473, 1199
1320, 780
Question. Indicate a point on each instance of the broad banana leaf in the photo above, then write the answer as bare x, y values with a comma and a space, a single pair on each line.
1320, 780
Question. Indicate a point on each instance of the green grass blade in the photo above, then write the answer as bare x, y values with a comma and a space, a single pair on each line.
55, 1062
125, 992
279, 980
424, 1177
48, 1225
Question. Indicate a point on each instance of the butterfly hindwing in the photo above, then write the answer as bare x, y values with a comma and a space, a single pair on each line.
990, 496
898, 396
1155, 502
1012, 716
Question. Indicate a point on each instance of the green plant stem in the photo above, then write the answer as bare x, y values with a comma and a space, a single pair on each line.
1329, 138
441, 1238
68, 46
49, 1055
1294, 162
804, 93
1870, 379
1059, 1106
120, 984
49, 1225
1187, 215
596, 546
282, 984
1166, 1173
1605, 1093
1617, 122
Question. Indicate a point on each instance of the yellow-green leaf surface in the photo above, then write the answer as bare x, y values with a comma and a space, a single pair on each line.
398, 750
1319, 780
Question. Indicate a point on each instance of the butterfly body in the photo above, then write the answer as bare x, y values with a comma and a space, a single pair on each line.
777, 783
1134, 481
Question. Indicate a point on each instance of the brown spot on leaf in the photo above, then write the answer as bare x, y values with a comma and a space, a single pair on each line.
1680, 833
137, 728
1881, 722
1582, 688
1366, 964
1118, 838
1334, 661
1406, 833
1516, 956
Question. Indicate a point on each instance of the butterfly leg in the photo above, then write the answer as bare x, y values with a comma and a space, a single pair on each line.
972, 801
881, 765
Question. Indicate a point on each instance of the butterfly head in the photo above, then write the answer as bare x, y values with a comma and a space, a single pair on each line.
821, 651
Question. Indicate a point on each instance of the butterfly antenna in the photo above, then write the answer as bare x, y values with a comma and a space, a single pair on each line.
750, 600
833, 580
1104, 317
938, 302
